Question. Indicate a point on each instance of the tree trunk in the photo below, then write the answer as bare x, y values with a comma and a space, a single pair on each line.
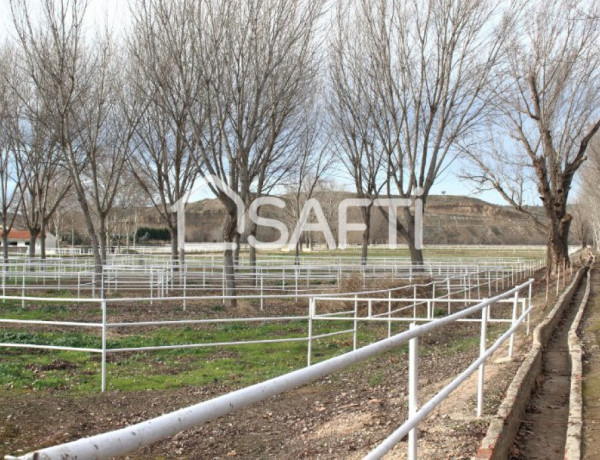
297, 253
230, 235
365, 246
408, 233
32, 240
5, 246
416, 256
236, 252
558, 242
252, 251
366, 213
102, 238
174, 242
98, 260
43, 245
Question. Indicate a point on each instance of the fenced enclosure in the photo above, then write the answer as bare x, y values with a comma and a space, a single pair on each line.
325, 309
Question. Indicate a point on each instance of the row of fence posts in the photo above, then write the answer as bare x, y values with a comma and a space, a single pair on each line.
413, 367
413, 349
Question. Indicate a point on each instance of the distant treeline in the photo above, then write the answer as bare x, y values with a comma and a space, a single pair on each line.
153, 234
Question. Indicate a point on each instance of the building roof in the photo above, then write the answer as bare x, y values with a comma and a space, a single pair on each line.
18, 234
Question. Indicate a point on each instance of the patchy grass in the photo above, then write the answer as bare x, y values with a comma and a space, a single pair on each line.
25, 369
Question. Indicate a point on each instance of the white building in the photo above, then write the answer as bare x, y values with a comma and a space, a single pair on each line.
21, 239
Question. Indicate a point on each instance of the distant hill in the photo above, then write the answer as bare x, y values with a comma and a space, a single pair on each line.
447, 220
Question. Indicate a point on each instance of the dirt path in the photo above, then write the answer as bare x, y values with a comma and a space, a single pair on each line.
542, 434
591, 374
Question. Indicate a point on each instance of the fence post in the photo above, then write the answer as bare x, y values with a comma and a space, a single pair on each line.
529, 306
311, 308
103, 365
151, 286
296, 283
184, 284
413, 397
389, 314
261, 291
370, 308
414, 301
511, 343
482, 347
448, 287
23, 289
222, 283
354, 342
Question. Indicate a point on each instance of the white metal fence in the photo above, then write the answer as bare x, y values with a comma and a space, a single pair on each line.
121, 441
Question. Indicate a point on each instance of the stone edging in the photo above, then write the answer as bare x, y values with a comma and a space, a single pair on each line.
505, 424
575, 422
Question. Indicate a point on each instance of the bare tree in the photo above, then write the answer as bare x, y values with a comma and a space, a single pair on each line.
430, 62
67, 206
355, 111
10, 173
589, 192
254, 60
130, 201
548, 104
85, 105
61, 70
581, 227
43, 182
164, 162
107, 121
313, 159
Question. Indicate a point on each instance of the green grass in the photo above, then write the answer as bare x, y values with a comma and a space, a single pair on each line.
80, 372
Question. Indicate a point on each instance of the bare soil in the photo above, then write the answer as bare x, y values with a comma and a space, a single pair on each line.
542, 434
591, 374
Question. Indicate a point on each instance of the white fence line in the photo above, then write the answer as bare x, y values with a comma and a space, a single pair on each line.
121, 441
411, 424
302, 281
464, 287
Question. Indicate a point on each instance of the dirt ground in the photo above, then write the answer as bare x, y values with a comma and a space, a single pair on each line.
591, 373
342, 416
543, 431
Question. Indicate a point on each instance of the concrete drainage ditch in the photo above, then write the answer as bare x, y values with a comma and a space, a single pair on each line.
540, 416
